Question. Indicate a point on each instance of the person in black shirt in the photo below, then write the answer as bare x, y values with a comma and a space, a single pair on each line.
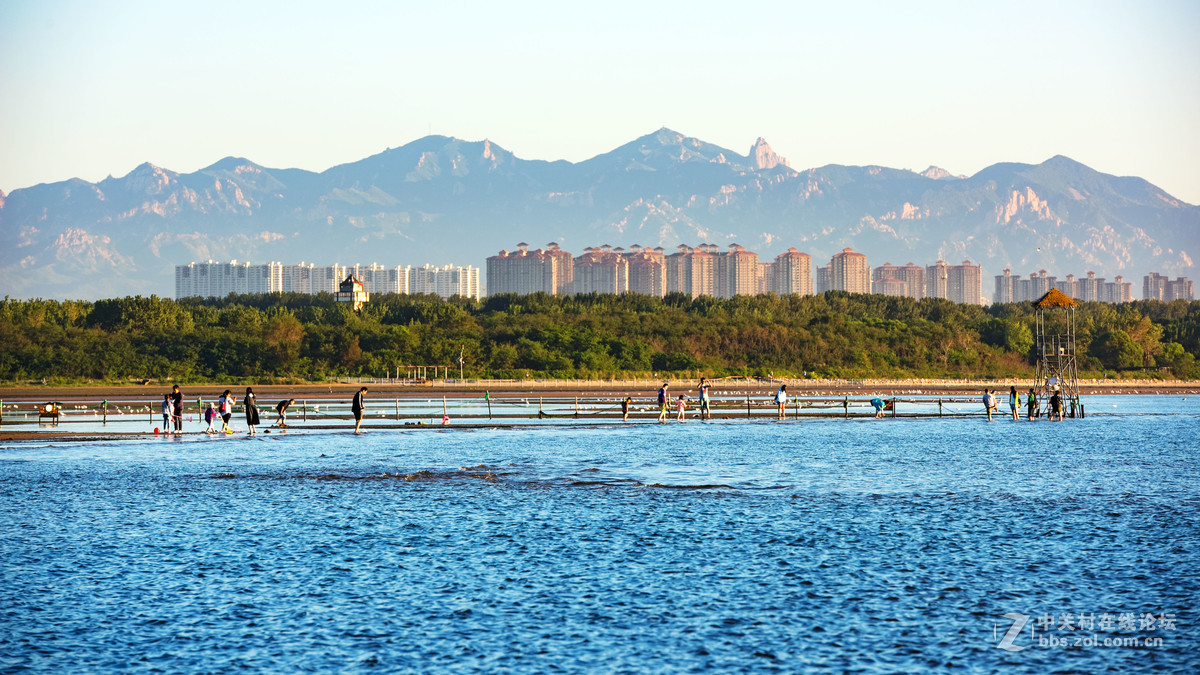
177, 408
356, 407
281, 408
250, 405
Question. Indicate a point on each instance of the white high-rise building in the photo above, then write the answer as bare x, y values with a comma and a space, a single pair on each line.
216, 280
445, 281
380, 279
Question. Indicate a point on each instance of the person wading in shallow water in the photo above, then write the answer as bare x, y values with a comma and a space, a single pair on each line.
878, 404
226, 403
663, 403
250, 405
357, 406
177, 409
281, 408
1056, 407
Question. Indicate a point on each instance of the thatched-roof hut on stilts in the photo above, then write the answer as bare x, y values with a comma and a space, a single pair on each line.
1057, 366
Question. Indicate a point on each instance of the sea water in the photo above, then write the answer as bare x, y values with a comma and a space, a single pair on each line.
858, 545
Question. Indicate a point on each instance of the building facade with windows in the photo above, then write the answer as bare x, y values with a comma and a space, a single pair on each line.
215, 280
1011, 287
212, 279
792, 273
692, 271
848, 271
446, 281
1158, 287
906, 281
601, 270
735, 272
647, 270
523, 272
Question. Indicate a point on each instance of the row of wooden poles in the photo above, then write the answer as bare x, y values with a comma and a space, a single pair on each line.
576, 407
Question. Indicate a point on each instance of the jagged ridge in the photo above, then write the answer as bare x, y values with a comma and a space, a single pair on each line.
442, 199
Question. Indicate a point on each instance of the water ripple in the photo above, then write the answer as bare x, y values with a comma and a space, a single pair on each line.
871, 548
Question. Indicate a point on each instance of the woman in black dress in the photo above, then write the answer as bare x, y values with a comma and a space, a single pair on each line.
251, 406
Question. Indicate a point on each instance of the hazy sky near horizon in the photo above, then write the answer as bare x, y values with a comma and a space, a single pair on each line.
96, 88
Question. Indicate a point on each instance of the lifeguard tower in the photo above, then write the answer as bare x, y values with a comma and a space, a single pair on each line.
353, 291
1057, 366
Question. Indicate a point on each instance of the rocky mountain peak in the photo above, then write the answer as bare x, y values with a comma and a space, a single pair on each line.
666, 136
234, 164
763, 157
148, 179
441, 198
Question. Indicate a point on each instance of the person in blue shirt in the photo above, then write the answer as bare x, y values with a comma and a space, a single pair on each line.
878, 405
167, 412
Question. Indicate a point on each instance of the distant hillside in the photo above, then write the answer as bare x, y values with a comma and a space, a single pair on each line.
443, 200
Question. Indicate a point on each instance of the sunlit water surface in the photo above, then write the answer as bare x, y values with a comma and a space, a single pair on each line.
860, 545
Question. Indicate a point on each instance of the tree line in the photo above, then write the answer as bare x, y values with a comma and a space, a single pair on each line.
296, 337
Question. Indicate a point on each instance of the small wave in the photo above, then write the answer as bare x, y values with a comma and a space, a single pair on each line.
480, 473
612, 482
703, 486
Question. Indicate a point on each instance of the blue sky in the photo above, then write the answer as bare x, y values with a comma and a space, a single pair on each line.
96, 88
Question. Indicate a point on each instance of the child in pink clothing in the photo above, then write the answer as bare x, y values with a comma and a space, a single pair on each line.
681, 405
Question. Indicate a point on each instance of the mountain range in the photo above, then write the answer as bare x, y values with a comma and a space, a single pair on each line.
445, 200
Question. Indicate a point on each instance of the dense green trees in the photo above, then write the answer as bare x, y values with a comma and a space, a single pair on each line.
298, 337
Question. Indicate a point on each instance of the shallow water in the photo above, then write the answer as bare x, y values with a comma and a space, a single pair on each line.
861, 545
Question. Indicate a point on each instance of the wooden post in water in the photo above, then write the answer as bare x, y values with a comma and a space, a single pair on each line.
397, 409
893, 406
104, 407
576, 406
304, 409
540, 412
846, 407
443, 405
747, 406
488, 395
939, 406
